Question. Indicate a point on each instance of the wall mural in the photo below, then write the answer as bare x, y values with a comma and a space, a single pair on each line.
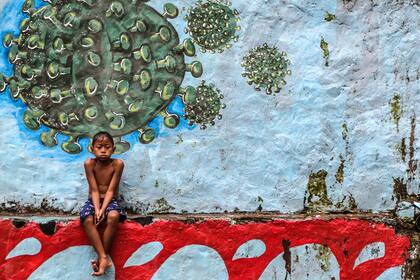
86, 66
214, 249
319, 102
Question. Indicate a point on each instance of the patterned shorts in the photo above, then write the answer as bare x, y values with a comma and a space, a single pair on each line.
88, 209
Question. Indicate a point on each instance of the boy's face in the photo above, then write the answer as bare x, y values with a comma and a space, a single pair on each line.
103, 148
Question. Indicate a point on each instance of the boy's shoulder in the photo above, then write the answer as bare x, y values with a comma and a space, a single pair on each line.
90, 162
118, 162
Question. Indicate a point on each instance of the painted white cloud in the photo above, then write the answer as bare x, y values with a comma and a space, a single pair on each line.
28, 246
71, 263
193, 262
310, 261
250, 249
144, 254
371, 251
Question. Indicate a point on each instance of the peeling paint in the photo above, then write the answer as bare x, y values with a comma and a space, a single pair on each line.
317, 188
339, 175
162, 206
396, 109
412, 162
325, 51
329, 17
323, 255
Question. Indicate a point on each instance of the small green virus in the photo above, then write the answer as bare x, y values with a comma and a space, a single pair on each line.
212, 25
205, 108
82, 66
266, 68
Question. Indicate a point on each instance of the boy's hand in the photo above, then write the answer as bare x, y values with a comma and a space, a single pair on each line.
99, 216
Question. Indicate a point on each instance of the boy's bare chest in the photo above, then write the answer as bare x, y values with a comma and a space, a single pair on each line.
103, 174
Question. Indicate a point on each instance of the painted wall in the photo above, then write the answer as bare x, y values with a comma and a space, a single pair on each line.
354, 121
322, 101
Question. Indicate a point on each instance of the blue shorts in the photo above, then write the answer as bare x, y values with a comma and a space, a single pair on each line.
88, 209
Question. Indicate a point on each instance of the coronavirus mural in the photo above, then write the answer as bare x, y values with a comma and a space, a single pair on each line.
260, 139
87, 66
213, 25
266, 68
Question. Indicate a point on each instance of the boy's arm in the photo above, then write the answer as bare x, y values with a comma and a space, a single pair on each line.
90, 176
113, 185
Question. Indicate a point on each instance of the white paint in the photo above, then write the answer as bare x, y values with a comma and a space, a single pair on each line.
406, 209
193, 262
250, 249
265, 146
73, 263
144, 254
394, 273
371, 251
28, 246
306, 264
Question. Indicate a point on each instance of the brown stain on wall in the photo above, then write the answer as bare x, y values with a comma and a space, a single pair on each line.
412, 162
287, 256
400, 189
402, 149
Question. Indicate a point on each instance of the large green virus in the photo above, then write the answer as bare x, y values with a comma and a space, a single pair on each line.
212, 25
266, 68
83, 66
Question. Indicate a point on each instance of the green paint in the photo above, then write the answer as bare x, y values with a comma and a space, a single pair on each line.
317, 188
86, 66
323, 256
324, 47
329, 17
396, 110
339, 175
212, 25
266, 68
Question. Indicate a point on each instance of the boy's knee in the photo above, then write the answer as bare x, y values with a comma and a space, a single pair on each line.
113, 216
88, 220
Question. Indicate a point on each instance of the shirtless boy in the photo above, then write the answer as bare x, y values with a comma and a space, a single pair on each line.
103, 174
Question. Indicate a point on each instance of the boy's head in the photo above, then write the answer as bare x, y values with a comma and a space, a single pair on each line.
103, 145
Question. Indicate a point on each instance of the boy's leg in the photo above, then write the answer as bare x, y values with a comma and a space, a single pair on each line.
94, 237
111, 227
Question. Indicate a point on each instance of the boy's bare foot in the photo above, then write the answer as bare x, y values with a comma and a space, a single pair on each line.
104, 264
94, 264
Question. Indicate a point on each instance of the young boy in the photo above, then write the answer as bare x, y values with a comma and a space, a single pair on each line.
103, 174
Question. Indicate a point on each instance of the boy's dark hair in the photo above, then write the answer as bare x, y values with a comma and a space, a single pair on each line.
102, 134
